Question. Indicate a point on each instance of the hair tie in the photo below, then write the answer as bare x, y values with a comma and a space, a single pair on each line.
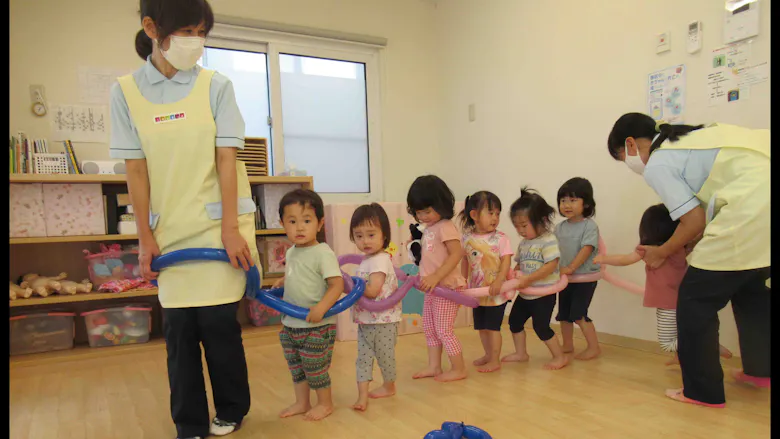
658, 125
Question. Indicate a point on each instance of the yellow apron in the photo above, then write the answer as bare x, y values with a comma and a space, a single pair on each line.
736, 197
178, 140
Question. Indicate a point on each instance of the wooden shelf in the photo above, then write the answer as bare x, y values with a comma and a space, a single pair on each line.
120, 179
56, 298
270, 232
86, 238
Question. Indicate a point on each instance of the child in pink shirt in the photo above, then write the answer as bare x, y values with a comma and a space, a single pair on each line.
431, 203
662, 283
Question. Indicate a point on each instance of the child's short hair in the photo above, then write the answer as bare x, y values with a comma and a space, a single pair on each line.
480, 200
530, 203
579, 187
305, 198
656, 226
430, 191
373, 214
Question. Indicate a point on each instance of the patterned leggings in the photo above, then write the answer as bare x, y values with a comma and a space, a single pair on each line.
376, 341
666, 320
438, 319
308, 352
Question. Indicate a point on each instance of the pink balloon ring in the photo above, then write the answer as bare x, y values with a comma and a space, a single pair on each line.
400, 292
615, 280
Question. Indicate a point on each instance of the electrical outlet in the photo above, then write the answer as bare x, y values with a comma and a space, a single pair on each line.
37, 94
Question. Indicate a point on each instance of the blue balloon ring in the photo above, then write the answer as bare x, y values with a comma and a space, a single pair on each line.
270, 297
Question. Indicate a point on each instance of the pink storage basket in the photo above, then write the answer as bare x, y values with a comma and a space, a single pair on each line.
112, 263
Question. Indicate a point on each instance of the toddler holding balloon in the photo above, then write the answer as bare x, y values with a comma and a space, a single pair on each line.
486, 264
369, 229
537, 258
661, 284
431, 203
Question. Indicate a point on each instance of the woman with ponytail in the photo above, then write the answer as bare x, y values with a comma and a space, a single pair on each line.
178, 127
715, 181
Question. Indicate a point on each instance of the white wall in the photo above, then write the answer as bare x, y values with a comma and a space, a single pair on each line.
49, 39
549, 79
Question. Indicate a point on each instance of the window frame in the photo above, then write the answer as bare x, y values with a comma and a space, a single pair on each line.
273, 43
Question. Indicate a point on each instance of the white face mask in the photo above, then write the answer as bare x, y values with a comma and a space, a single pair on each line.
184, 52
634, 162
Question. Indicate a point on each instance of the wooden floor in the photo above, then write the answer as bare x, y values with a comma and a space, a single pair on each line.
123, 393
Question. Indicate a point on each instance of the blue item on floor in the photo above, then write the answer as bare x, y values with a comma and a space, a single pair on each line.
457, 430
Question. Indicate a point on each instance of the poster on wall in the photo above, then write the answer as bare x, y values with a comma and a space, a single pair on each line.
732, 72
79, 123
95, 84
666, 94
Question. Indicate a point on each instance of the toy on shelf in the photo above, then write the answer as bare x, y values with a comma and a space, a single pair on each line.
117, 326
42, 285
17, 292
112, 263
70, 287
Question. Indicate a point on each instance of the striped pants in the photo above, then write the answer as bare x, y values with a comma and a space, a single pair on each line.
438, 320
666, 321
308, 352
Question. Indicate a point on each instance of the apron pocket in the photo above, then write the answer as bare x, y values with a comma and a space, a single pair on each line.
245, 206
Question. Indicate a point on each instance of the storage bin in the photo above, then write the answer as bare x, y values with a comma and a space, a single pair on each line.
117, 326
41, 332
262, 315
112, 264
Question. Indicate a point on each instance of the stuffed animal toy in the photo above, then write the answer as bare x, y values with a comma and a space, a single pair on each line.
415, 245
17, 292
42, 285
70, 287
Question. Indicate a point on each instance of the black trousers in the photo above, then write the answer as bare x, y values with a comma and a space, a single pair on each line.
574, 301
538, 310
702, 294
219, 331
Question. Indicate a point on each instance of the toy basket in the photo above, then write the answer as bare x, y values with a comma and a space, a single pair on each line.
119, 325
31, 333
50, 163
262, 315
111, 264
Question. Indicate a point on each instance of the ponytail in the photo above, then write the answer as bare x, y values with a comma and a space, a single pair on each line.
143, 45
671, 133
464, 217
540, 214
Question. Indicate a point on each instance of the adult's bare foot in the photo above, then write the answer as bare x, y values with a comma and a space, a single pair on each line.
383, 392
557, 363
428, 372
588, 354
490, 367
451, 375
318, 412
516, 357
295, 409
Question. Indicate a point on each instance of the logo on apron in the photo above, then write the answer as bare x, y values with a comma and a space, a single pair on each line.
170, 117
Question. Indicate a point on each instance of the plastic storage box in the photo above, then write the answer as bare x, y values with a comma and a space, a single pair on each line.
262, 315
42, 332
117, 326
112, 264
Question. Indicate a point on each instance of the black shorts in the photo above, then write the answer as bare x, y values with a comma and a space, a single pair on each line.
538, 310
489, 317
574, 301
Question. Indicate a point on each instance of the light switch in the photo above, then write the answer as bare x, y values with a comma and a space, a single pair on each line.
663, 42
472, 113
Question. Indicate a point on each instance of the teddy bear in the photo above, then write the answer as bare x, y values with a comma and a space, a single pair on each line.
17, 292
415, 245
70, 287
42, 285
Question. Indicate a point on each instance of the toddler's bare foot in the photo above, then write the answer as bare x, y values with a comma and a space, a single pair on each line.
319, 411
427, 373
490, 367
725, 353
674, 360
567, 348
361, 404
481, 360
387, 389
451, 375
557, 363
516, 357
295, 409
589, 354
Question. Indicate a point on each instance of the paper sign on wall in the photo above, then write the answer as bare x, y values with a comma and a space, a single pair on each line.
95, 84
732, 72
79, 123
666, 94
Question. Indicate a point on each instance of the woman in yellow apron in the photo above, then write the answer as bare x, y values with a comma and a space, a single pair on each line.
178, 127
715, 180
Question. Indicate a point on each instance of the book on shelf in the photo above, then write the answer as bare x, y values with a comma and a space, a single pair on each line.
22, 151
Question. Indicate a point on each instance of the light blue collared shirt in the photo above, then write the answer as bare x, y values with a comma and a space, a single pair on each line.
158, 89
677, 175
